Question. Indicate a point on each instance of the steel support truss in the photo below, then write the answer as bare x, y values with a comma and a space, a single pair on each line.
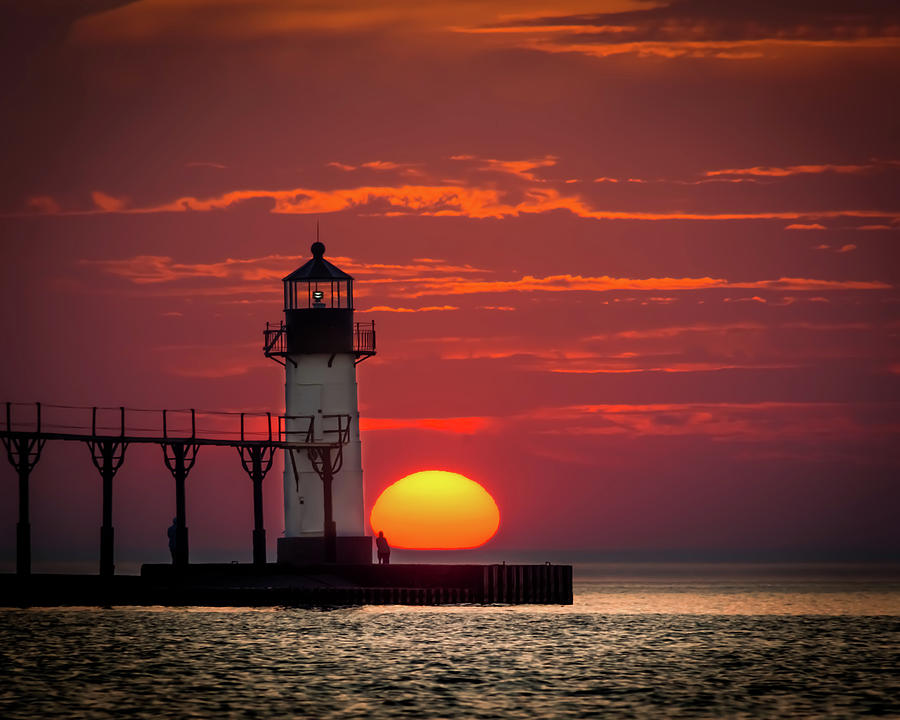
23, 451
180, 456
257, 461
107, 454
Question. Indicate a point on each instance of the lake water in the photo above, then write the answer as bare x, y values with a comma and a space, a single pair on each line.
641, 647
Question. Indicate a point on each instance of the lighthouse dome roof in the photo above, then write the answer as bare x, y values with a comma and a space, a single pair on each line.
318, 268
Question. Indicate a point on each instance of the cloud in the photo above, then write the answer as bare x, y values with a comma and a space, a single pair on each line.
754, 422
155, 269
848, 247
383, 165
826, 327
671, 331
540, 28
251, 20
677, 330
738, 29
578, 283
767, 174
148, 269
780, 172
802, 226
725, 50
518, 191
665, 359
108, 203
242, 277
438, 200
602, 367
427, 308
42, 205
519, 168
676, 349
477, 202
734, 422
753, 298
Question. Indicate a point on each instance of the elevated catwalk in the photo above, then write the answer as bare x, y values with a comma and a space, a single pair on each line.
234, 585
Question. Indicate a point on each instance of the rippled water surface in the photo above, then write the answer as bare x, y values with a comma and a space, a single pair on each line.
626, 649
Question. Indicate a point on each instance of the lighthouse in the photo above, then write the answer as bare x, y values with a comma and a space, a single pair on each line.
320, 344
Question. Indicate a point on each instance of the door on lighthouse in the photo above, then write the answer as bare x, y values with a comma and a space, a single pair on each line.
308, 402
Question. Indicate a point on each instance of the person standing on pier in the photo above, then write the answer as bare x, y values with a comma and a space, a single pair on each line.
173, 535
384, 550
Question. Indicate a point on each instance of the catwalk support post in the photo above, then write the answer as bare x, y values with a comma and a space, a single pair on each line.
326, 466
330, 528
180, 455
256, 458
107, 454
23, 450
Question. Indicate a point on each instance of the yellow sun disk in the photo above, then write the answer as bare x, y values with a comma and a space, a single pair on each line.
435, 509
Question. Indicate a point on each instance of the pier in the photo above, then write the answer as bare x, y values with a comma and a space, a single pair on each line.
108, 432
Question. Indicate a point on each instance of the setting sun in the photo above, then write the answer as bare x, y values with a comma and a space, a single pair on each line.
435, 510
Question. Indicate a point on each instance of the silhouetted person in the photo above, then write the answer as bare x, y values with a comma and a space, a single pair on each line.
384, 550
173, 537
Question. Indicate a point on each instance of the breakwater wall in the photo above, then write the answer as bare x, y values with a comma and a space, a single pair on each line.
234, 585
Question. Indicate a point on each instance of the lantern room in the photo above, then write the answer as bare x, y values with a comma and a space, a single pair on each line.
318, 285
318, 315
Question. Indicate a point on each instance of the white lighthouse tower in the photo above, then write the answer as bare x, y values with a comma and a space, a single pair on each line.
320, 345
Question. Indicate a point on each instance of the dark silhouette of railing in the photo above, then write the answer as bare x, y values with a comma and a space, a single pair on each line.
275, 340
275, 343
364, 338
205, 427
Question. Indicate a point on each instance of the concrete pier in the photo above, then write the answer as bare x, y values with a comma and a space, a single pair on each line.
234, 585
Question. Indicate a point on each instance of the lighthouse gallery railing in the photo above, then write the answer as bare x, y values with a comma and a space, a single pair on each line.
275, 340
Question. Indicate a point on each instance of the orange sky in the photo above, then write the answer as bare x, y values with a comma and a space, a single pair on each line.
633, 264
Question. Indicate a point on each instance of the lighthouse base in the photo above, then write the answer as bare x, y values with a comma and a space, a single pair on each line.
350, 550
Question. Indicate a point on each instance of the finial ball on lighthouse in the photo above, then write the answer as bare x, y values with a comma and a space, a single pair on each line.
317, 249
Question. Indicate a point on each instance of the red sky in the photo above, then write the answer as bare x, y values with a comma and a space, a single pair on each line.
633, 265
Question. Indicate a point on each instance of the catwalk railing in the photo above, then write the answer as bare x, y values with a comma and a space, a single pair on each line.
108, 431
68, 422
